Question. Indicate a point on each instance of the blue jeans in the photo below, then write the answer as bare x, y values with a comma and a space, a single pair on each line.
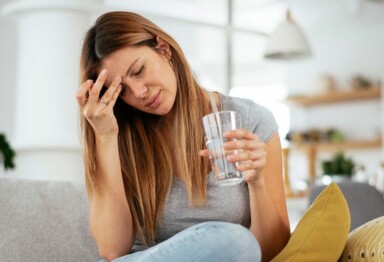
209, 241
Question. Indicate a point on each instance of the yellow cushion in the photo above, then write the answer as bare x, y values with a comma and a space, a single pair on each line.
322, 231
366, 243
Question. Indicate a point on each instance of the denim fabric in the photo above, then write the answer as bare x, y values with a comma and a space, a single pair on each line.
209, 241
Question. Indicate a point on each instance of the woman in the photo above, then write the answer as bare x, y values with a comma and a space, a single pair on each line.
147, 169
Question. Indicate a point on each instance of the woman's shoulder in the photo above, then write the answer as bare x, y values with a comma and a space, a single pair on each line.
231, 103
244, 106
255, 117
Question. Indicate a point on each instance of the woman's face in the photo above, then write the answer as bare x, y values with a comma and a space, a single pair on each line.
148, 80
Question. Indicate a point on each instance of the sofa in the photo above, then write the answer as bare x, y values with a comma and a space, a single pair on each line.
364, 201
44, 221
48, 221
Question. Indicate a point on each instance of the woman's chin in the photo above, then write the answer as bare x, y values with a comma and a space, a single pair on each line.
160, 111
165, 111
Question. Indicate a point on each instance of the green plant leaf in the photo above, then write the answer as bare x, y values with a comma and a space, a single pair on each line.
338, 165
7, 152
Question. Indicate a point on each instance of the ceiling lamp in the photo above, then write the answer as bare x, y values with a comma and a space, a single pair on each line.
287, 42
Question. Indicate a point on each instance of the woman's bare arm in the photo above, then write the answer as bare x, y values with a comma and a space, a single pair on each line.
269, 218
261, 165
110, 216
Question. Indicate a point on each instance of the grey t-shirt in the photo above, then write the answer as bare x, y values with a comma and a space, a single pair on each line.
230, 203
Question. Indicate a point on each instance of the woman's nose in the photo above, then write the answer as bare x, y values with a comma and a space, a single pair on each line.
139, 90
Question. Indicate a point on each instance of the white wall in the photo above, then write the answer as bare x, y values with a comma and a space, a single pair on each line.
9, 57
344, 44
41, 122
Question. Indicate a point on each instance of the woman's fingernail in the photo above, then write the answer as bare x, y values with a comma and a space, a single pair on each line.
103, 72
89, 81
118, 79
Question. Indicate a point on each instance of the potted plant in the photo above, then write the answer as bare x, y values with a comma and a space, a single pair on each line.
339, 165
7, 154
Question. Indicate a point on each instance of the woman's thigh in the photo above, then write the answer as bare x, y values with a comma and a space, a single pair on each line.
209, 241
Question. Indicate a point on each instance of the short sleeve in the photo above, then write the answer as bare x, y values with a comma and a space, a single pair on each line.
262, 122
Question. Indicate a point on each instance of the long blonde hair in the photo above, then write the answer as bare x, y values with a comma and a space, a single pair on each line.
147, 163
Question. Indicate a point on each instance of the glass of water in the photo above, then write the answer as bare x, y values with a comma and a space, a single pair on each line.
215, 125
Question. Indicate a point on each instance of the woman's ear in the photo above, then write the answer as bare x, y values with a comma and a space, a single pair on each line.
163, 47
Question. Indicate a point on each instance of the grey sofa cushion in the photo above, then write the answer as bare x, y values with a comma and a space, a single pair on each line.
44, 221
365, 202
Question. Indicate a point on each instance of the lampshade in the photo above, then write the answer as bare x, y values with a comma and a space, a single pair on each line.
287, 42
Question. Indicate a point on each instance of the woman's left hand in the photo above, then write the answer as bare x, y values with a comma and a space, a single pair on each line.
251, 154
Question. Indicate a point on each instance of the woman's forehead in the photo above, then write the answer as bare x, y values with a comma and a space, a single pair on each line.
121, 60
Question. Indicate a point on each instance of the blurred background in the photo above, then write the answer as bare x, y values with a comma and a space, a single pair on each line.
325, 95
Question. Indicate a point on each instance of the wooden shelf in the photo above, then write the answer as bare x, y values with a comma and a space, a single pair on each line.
346, 145
312, 149
336, 96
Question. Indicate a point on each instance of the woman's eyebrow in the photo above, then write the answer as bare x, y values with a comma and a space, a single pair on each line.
130, 67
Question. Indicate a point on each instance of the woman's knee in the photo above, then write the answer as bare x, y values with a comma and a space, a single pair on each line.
209, 241
232, 236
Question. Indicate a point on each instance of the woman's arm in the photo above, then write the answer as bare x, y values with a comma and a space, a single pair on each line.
110, 216
269, 218
261, 165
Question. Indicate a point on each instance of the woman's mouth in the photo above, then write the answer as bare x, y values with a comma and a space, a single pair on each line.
154, 101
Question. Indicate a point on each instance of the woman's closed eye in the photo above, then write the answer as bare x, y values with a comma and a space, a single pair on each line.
138, 72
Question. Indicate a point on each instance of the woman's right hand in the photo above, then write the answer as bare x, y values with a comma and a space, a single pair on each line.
99, 112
